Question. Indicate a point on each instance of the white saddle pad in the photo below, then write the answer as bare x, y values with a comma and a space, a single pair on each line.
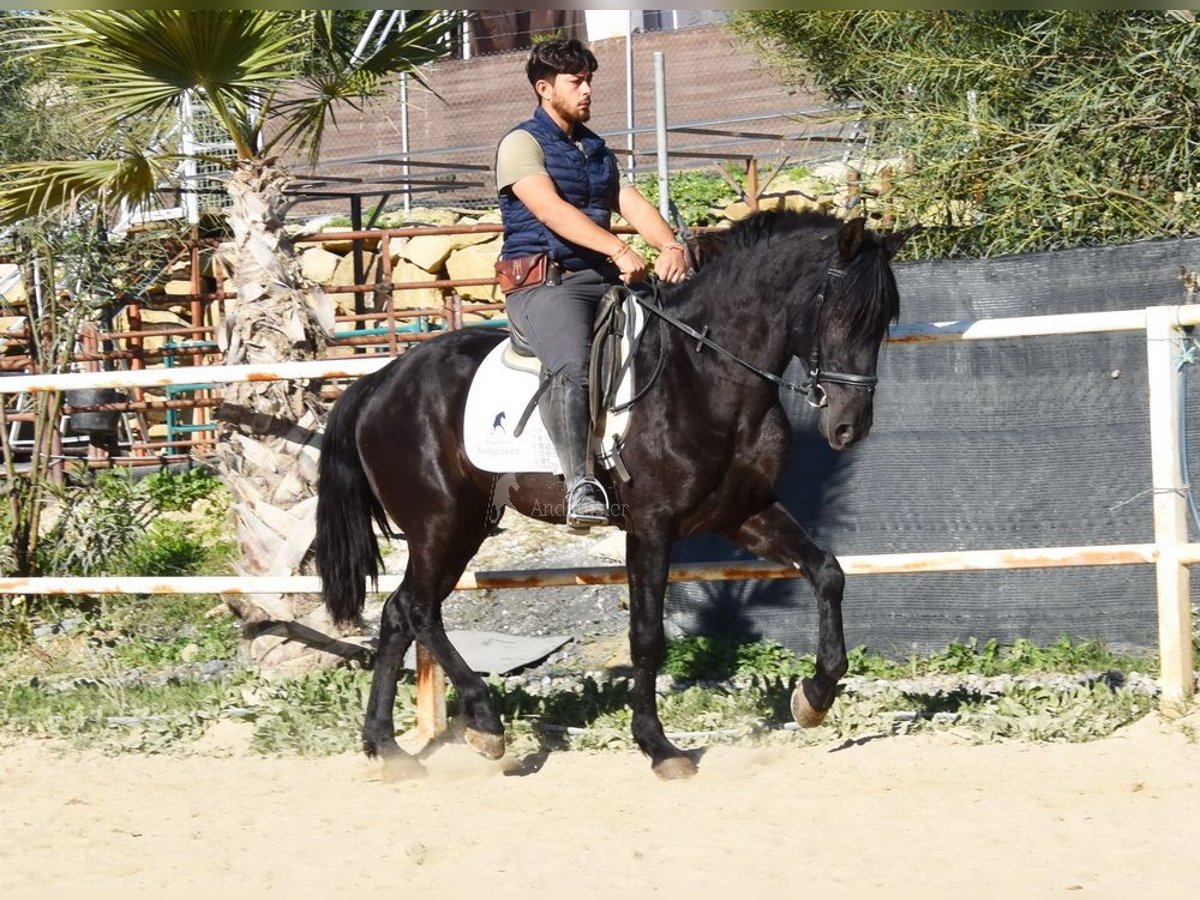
497, 399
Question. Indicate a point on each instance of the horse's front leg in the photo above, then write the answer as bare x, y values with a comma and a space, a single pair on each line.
773, 534
647, 561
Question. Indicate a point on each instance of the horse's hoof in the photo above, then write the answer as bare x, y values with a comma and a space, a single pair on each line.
675, 768
487, 745
382, 748
803, 712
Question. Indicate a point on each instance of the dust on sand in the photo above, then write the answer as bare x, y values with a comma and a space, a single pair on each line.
915, 813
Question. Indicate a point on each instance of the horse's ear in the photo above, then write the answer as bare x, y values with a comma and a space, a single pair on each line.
894, 241
850, 239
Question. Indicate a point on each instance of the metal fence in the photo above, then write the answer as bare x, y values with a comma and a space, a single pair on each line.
434, 144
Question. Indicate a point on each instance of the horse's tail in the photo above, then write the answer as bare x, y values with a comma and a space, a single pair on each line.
346, 548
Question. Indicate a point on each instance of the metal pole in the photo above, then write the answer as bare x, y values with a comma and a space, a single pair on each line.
660, 115
629, 98
405, 171
366, 35
188, 198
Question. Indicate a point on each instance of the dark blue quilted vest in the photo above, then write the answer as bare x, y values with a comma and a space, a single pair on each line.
586, 179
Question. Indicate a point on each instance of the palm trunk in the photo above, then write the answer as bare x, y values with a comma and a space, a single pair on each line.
270, 436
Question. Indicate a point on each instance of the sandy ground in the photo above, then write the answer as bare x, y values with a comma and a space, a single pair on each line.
909, 813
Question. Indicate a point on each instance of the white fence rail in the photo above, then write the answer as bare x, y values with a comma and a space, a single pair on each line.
1171, 553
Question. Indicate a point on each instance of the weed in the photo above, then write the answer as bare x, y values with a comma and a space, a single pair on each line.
716, 657
170, 547
694, 193
169, 490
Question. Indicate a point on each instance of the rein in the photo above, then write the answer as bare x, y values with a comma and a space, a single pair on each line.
811, 389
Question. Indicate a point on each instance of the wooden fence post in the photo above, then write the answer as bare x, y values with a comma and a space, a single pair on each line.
1163, 344
431, 696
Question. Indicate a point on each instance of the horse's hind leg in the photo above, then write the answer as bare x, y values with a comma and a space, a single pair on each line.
773, 534
395, 636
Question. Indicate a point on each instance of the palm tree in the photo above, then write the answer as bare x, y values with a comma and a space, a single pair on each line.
272, 79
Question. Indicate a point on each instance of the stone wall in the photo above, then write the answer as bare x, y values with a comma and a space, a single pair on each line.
829, 187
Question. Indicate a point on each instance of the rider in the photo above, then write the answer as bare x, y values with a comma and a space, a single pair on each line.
559, 186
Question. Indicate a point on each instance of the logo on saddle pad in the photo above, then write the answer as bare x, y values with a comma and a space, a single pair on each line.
500, 392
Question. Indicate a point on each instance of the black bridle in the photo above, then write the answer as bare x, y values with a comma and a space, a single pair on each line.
812, 388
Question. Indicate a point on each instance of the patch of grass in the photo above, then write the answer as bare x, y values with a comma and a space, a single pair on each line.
715, 657
315, 715
322, 713
174, 547
111, 718
165, 524
118, 633
152, 632
993, 658
318, 714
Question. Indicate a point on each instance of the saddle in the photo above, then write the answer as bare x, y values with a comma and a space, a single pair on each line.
510, 381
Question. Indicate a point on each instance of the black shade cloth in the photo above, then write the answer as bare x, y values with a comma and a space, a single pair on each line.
1033, 442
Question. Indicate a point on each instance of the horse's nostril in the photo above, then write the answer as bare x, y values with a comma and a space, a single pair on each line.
844, 435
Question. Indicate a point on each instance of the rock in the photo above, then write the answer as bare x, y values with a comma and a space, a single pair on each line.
801, 203
831, 172
736, 211
429, 251
346, 246
423, 215
181, 288
474, 262
404, 272
318, 264
154, 320
471, 238
344, 275
189, 653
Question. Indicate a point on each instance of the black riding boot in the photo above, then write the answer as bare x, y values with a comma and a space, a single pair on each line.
565, 414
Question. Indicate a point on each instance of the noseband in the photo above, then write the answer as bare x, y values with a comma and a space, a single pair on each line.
812, 388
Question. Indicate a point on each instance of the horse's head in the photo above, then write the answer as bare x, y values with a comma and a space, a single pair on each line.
840, 332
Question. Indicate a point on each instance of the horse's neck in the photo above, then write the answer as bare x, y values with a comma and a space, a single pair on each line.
699, 374
758, 333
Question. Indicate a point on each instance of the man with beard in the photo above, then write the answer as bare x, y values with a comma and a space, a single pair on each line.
559, 186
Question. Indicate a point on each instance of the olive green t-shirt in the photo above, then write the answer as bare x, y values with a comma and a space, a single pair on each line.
520, 154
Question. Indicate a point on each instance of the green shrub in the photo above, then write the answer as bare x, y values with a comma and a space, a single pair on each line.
694, 193
172, 491
99, 519
1013, 130
168, 547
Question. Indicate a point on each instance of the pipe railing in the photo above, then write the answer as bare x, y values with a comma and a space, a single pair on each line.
1171, 552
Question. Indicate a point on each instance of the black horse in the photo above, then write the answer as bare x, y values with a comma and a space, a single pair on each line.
706, 444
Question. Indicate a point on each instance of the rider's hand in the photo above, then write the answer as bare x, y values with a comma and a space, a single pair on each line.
630, 263
671, 265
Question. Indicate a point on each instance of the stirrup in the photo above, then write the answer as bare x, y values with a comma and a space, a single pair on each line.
577, 518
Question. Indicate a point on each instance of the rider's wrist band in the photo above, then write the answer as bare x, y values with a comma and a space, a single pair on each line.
619, 253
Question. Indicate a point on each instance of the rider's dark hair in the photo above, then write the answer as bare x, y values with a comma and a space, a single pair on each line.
550, 58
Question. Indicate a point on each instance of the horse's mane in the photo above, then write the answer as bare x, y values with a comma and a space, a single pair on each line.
868, 277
